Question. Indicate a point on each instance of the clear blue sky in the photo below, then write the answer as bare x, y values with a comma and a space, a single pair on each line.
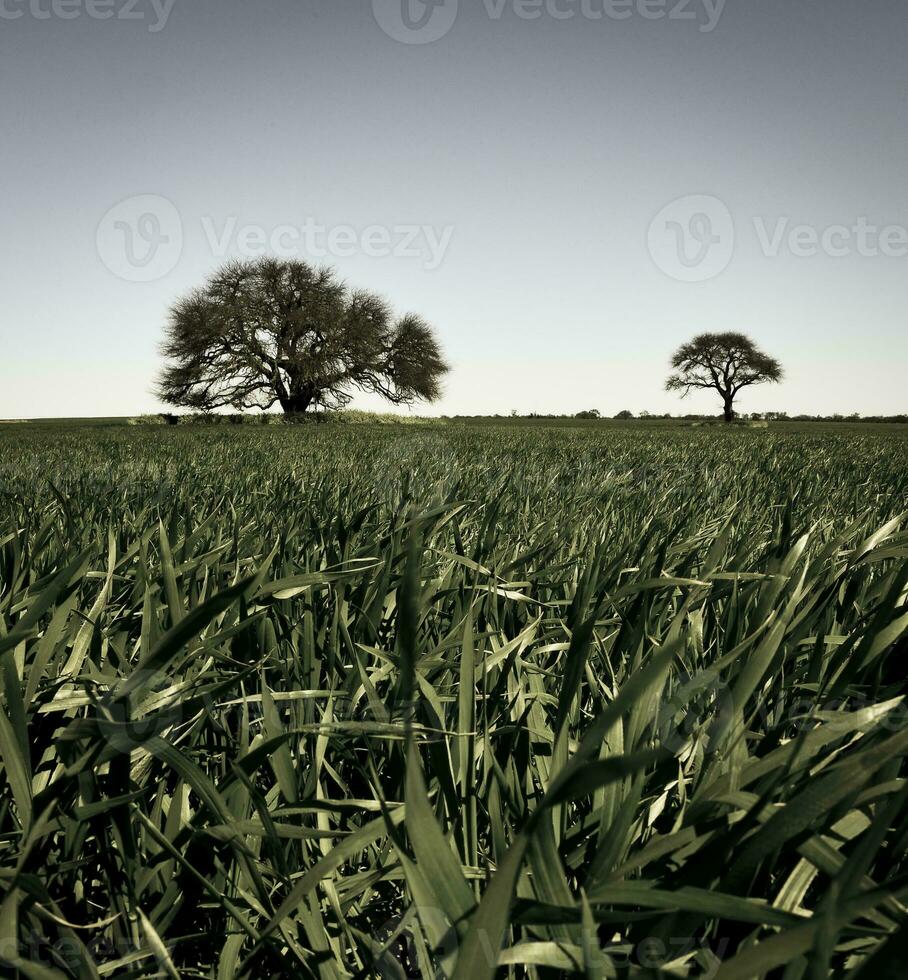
508, 181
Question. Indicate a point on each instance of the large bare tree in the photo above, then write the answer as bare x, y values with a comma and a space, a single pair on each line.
269, 331
726, 362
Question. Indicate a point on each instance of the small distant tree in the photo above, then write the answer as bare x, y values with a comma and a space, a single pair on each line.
625, 414
268, 332
726, 362
591, 413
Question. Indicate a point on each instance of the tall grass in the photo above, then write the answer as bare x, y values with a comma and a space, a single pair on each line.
466, 702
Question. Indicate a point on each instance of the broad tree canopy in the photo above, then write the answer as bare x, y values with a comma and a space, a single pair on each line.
268, 332
726, 362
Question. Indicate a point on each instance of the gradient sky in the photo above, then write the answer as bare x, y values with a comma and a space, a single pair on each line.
541, 147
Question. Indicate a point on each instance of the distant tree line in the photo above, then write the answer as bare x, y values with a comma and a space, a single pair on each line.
592, 414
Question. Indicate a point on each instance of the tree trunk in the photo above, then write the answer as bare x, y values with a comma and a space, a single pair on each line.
729, 411
296, 403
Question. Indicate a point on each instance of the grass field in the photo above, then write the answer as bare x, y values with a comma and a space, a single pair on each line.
466, 701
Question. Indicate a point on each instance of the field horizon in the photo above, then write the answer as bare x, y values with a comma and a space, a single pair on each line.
793, 423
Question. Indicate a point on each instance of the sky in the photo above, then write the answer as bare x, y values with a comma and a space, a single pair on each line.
566, 189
